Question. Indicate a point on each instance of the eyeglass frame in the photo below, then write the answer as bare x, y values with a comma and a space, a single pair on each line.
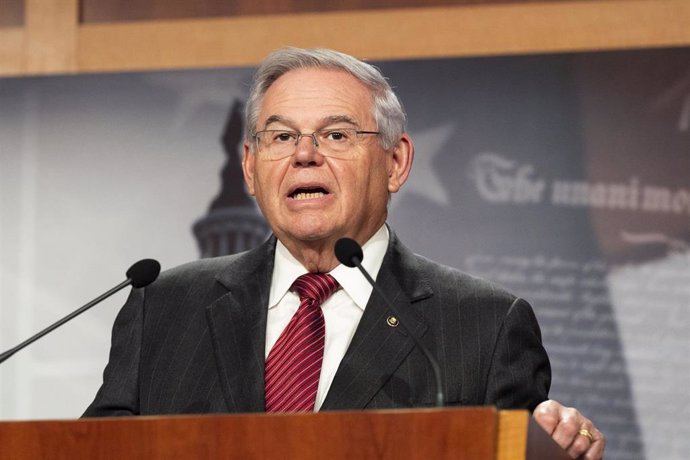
312, 135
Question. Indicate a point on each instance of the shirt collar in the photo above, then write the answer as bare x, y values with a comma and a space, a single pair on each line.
286, 269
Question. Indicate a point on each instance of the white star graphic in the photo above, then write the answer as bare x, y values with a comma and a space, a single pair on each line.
424, 180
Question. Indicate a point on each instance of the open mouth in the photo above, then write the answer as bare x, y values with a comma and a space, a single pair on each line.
308, 193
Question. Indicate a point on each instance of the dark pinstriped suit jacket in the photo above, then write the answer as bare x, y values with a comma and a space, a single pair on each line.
193, 341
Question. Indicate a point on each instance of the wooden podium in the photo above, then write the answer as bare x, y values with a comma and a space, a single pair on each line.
463, 433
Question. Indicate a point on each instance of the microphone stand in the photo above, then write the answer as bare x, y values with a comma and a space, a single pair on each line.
4, 356
440, 398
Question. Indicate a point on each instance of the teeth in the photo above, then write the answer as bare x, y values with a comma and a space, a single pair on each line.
308, 196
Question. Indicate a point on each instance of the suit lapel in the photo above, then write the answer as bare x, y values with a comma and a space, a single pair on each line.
237, 321
377, 349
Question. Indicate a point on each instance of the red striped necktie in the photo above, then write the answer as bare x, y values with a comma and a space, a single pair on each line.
293, 365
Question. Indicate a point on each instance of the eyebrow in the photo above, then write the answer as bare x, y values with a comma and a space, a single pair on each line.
332, 119
340, 119
275, 119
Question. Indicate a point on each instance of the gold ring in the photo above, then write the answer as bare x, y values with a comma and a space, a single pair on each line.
585, 432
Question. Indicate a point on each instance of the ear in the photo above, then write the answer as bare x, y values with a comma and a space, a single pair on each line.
400, 163
248, 163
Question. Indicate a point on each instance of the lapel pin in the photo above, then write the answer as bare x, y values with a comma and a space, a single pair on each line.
392, 321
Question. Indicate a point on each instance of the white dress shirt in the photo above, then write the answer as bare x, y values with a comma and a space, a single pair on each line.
342, 311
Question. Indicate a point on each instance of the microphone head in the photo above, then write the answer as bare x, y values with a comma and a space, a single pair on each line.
144, 272
348, 252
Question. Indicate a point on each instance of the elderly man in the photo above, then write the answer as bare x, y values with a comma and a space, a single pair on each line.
285, 327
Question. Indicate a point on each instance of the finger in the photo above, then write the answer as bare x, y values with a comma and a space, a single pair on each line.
546, 415
581, 443
596, 449
569, 424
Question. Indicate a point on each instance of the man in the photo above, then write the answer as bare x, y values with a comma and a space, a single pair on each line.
325, 147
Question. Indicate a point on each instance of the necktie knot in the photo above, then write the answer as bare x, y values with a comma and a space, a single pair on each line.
315, 286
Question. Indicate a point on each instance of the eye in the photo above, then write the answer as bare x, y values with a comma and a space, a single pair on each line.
284, 136
337, 135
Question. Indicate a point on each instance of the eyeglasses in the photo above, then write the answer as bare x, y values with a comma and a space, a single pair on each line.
275, 144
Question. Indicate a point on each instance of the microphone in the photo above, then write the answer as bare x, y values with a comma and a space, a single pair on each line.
143, 273
139, 275
349, 253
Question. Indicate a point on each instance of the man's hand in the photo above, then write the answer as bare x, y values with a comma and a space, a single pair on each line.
571, 430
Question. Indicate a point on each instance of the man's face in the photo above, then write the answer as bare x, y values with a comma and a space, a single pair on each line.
309, 198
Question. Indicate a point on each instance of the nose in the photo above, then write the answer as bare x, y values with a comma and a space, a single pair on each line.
307, 153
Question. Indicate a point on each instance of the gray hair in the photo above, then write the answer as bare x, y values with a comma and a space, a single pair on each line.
387, 109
